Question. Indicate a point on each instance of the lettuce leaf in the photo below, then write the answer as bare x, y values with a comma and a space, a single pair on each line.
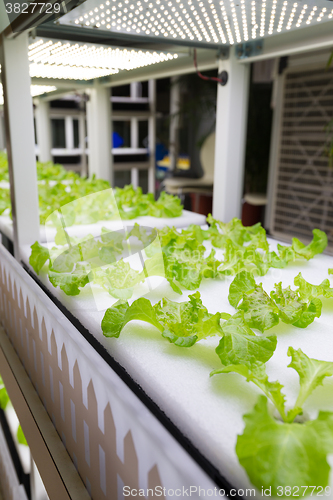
187, 322
182, 323
288, 302
311, 373
4, 398
20, 436
38, 257
69, 283
260, 311
294, 307
299, 250
117, 316
277, 455
117, 279
240, 345
307, 291
242, 284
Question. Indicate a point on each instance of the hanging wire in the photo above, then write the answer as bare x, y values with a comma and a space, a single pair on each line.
200, 75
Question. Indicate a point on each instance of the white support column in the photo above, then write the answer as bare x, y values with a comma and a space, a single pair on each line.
82, 144
99, 133
152, 135
69, 132
134, 144
2, 131
276, 104
43, 128
174, 121
136, 89
231, 121
20, 140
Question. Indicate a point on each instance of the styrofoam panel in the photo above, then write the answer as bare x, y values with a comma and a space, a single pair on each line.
48, 233
209, 411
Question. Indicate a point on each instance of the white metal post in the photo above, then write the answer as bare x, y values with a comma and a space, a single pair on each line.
174, 121
82, 144
152, 135
276, 104
231, 121
134, 144
43, 128
2, 132
136, 90
69, 132
19, 123
99, 133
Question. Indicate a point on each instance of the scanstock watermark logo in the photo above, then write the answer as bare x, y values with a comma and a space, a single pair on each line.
124, 260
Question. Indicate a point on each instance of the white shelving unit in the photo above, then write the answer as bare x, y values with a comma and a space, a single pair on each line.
133, 116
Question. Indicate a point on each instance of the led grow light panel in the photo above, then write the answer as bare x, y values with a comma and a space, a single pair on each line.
78, 61
209, 21
35, 90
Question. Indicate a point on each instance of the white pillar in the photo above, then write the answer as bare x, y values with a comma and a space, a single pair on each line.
134, 144
69, 132
136, 90
82, 144
19, 122
231, 121
2, 132
99, 133
174, 121
43, 128
276, 104
152, 135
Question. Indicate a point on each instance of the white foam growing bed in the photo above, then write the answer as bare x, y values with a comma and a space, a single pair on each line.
48, 233
208, 410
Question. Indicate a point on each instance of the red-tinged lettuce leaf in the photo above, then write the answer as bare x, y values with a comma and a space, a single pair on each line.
39, 256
